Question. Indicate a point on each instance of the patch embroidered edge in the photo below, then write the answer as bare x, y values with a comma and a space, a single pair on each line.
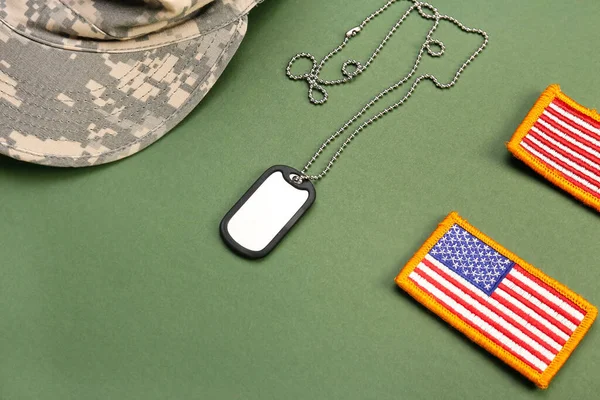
552, 175
542, 380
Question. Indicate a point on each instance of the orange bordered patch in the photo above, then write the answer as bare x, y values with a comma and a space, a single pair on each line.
510, 308
560, 139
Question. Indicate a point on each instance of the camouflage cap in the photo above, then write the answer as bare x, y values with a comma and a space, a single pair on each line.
87, 82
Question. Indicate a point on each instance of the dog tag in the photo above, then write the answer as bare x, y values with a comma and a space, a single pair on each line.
266, 213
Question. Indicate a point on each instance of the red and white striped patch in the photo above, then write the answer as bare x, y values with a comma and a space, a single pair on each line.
561, 140
523, 315
513, 310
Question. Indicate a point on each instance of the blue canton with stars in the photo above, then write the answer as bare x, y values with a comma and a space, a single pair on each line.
472, 259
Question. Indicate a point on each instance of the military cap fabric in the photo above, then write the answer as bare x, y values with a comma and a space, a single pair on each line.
87, 82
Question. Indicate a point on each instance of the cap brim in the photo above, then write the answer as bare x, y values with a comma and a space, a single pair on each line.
68, 108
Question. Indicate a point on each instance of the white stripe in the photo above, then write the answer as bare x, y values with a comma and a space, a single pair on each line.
532, 313
541, 305
565, 148
574, 118
561, 169
496, 304
564, 159
548, 295
485, 311
476, 321
572, 128
569, 138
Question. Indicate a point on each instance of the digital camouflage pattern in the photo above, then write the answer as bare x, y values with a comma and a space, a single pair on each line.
83, 83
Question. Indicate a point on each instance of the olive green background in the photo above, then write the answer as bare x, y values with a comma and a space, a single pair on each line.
116, 285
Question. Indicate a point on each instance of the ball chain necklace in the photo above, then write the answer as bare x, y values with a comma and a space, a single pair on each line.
282, 195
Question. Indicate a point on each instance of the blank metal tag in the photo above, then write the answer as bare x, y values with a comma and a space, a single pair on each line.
268, 210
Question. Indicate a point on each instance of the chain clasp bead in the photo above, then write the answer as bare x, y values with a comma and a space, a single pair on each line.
353, 32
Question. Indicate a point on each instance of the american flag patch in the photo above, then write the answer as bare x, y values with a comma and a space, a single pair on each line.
560, 140
513, 310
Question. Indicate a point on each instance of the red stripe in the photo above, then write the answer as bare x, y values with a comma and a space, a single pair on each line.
535, 309
485, 318
549, 288
568, 178
565, 153
489, 306
565, 166
577, 113
480, 330
568, 144
572, 123
543, 300
567, 132
562, 164
529, 319
591, 146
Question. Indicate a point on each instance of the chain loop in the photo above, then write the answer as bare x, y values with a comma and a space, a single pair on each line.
316, 83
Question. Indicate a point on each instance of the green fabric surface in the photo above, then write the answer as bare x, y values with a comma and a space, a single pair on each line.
116, 285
